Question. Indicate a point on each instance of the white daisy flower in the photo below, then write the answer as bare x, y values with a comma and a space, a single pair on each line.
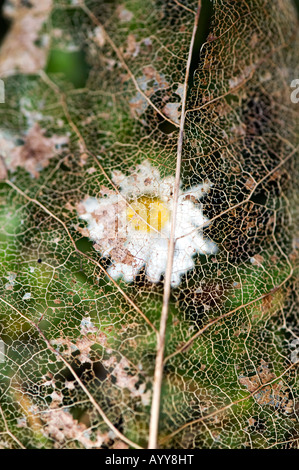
132, 226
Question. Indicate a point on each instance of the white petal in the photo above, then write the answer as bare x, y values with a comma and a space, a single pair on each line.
180, 266
182, 262
90, 204
144, 180
157, 261
199, 191
166, 188
115, 270
186, 245
204, 245
175, 279
127, 271
188, 214
139, 246
96, 231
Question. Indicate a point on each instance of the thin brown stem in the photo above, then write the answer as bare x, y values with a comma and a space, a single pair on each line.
156, 399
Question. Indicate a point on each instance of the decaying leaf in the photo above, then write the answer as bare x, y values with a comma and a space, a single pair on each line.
25, 49
61, 428
34, 152
148, 209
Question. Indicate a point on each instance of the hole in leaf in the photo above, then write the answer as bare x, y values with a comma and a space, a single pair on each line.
72, 65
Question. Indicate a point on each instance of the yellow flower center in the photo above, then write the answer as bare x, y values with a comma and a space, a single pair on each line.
148, 214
